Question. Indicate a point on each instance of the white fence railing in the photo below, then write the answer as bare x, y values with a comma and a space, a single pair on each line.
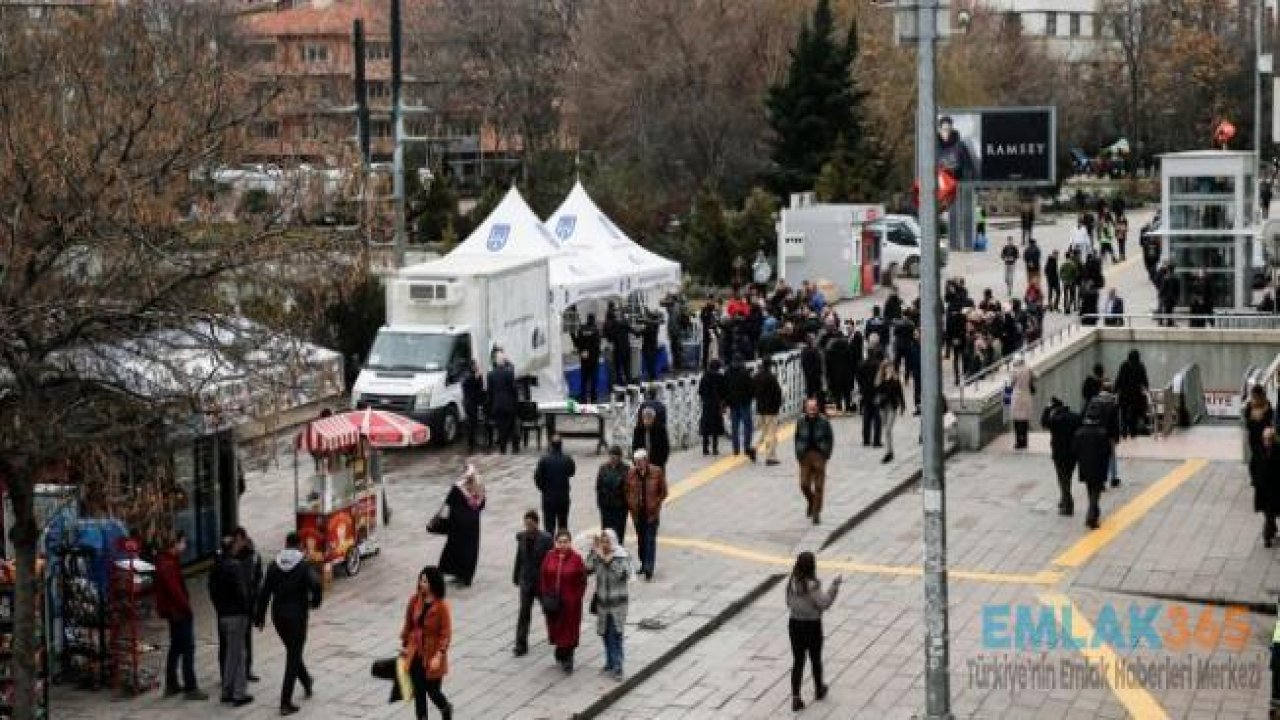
684, 409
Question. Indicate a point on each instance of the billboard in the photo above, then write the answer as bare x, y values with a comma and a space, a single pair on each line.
999, 147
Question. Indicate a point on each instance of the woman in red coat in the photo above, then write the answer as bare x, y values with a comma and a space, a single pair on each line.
562, 585
425, 640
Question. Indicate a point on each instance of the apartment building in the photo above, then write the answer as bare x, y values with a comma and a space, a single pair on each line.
1074, 30
304, 51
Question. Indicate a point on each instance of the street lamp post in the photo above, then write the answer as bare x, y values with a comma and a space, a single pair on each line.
937, 651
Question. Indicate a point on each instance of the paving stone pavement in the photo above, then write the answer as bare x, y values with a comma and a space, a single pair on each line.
360, 619
1001, 519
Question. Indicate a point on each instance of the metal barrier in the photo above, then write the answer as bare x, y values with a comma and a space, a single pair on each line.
684, 408
1188, 395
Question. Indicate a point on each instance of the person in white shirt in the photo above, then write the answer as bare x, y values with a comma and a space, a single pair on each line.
1081, 243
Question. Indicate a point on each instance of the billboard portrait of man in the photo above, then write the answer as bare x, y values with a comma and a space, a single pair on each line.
959, 143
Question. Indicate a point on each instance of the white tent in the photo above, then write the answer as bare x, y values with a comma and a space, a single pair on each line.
579, 225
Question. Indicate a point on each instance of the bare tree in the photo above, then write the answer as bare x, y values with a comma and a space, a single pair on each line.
108, 120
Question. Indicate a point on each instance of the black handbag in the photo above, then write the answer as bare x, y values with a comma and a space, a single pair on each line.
439, 524
594, 608
384, 669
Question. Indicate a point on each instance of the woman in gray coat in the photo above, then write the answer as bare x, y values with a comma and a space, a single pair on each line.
611, 565
807, 601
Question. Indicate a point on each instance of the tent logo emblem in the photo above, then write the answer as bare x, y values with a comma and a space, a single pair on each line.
565, 226
498, 235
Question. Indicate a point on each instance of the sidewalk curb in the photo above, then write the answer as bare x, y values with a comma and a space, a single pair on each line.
605, 701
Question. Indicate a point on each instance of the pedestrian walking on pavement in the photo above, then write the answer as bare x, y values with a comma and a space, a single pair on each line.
229, 593
1053, 281
173, 603
504, 400
1023, 383
1132, 386
465, 502
1062, 424
552, 476
892, 404
651, 436
814, 442
811, 369
609, 563
1092, 449
806, 601
739, 395
1264, 475
646, 491
532, 546
1070, 275
711, 392
868, 394
251, 566
292, 591
611, 493
425, 638
1009, 256
1031, 259
562, 584
768, 392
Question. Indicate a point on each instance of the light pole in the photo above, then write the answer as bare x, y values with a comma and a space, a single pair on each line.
937, 672
1259, 14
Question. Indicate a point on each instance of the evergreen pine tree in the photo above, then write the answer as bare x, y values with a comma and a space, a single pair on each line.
708, 237
754, 228
437, 209
815, 105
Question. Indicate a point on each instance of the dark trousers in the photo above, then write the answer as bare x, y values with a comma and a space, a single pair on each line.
504, 424
870, 421
957, 363
1055, 295
424, 688
293, 633
615, 520
647, 542
182, 649
1268, 525
1071, 295
1064, 470
650, 360
1020, 428
474, 426
527, 600
1132, 416
806, 639
555, 514
622, 365
1095, 492
564, 655
590, 379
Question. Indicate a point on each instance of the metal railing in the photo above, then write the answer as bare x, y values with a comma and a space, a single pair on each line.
679, 395
980, 382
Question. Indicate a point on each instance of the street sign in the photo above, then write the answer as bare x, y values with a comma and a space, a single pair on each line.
999, 147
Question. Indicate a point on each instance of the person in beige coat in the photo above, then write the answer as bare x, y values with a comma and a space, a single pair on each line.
1023, 383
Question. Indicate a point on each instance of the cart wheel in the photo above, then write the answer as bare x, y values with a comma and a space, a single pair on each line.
352, 562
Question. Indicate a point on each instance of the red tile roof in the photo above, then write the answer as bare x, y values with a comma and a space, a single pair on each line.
334, 18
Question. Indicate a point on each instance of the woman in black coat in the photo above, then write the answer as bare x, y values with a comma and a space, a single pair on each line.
711, 390
465, 502
1264, 475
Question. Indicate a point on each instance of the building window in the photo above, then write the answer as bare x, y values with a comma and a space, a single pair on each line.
380, 128
266, 130
1011, 23
315, 54
377, 51
1075, 24
1051, 24
379, 91
262, 53
311, 130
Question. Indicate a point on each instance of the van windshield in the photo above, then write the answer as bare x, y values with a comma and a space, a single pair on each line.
410, 351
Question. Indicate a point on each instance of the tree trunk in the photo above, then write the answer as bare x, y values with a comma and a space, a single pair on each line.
27, 638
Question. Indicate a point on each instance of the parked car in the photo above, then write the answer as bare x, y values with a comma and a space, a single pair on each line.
900, 243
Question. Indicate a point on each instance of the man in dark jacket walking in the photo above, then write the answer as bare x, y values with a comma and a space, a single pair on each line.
618, 332
839, 356
229, 592
1062, 425
814, 442
1092, 449
739, 395
868, 387
811, 369
292, 592
552, 476
611, 493
768, 394
1131, 388
532, 545
1053, 281
251, 568
174, 605
504, 398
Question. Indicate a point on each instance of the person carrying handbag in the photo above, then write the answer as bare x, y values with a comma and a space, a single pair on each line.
425, 640
562, 585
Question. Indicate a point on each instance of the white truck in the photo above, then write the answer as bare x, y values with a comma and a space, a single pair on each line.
443, 314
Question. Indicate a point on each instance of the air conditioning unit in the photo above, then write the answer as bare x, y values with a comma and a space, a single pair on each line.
439, 293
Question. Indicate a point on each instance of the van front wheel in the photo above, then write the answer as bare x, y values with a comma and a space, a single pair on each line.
447, 430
